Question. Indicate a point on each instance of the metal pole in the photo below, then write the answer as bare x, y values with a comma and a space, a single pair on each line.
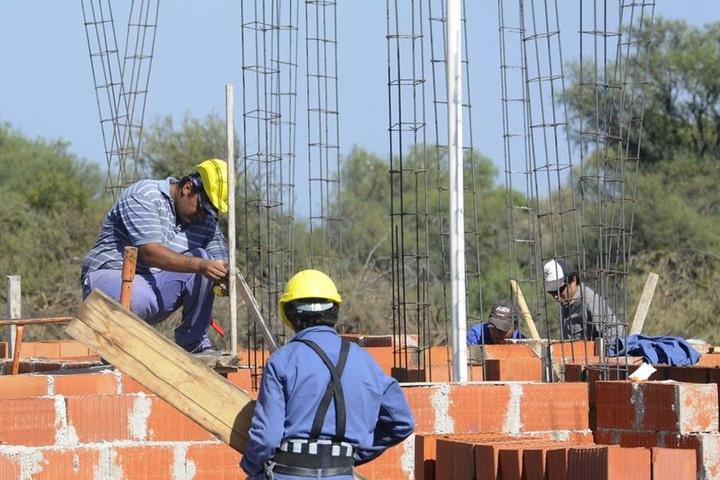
230, 138
455, 161
14, 308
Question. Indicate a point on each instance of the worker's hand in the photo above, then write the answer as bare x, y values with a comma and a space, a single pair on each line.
215, 270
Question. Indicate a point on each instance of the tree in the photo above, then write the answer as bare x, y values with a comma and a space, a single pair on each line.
682, 92
54, 203
168, 150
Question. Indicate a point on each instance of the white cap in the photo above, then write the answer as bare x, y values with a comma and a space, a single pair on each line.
556, 273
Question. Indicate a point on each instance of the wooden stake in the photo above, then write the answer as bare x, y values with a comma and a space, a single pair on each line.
128, 275
644, 304
18, 348
524, 310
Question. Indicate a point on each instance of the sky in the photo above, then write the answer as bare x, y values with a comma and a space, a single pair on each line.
46, 87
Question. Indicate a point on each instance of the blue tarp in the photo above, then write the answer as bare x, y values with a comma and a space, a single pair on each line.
657, 350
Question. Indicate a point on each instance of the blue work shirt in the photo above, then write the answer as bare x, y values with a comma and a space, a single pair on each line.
145, 213
479, 334
293, 382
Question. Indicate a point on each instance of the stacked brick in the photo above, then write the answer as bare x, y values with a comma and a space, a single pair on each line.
661, 414
534, 458
105, 425
102, 425
502, 412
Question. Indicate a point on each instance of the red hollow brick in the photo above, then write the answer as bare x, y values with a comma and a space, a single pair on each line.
613, 404
100, 418
28, 421
419, 398
23, 386
387, 465
611, 463
85, 384
166, 423
75, 463
9, 466
214, 461
145, 462
673, 463
514, 369
130, 385
554, 406
476, 408
455, 459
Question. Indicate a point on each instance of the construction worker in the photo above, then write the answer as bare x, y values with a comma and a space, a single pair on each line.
182, 253
324, 404
562, 283
498, 328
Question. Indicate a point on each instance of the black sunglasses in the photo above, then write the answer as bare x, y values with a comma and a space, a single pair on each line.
558, 292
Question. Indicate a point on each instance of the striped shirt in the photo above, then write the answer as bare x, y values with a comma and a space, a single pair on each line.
145, 213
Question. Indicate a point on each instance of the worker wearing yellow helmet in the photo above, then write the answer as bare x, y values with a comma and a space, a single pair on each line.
324, 405
182, 253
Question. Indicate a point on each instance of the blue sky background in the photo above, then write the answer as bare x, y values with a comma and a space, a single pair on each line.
46, 85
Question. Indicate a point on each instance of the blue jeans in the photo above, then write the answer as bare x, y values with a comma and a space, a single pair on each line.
155, 296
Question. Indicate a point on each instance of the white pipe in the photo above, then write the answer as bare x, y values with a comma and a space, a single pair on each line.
230, 138
13, 309
457, 214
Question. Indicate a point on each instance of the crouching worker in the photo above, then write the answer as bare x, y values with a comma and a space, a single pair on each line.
499, 327
324, 404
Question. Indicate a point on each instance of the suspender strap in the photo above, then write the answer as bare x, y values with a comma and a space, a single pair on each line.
334, 391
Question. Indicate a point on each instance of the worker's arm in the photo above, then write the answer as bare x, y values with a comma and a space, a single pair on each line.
158, 256
395, 422
267, 425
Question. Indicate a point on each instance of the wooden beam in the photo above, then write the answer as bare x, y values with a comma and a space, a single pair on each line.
644, 304
35, 321
524, 310
172, 374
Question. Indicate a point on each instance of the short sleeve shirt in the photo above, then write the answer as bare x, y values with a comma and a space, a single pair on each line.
145, 213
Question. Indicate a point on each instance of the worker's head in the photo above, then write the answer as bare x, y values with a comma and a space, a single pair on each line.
310, 298
203, 192
561, 279
502, 320
213, 178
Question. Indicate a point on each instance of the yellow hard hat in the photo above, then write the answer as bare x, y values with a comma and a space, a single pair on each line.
213, 174
308, 284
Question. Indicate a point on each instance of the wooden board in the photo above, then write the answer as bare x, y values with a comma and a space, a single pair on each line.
162, 367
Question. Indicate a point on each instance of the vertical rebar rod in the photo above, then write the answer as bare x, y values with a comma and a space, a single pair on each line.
269, 64
408, 182
549, 147
321, 53
521, 196
121, 86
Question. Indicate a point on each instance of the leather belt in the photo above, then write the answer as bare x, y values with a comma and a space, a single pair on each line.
312, 472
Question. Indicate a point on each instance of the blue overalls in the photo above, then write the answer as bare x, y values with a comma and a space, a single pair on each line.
299, 414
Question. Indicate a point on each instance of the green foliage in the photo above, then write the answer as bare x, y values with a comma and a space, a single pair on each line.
682, 92
52, 206
172, 151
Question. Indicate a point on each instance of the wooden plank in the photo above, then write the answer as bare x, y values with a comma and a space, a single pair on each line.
644, 304
524, 310
164, 368
35, 321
